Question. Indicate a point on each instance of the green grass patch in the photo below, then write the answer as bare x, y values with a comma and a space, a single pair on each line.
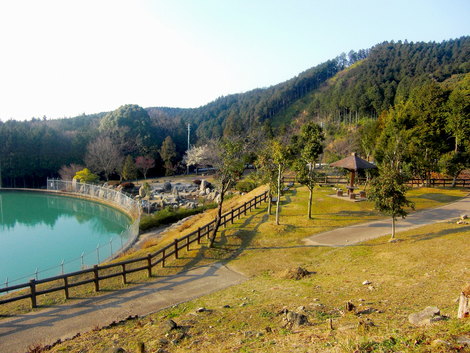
169, 215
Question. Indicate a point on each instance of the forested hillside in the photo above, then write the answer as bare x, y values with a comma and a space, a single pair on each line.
344, 94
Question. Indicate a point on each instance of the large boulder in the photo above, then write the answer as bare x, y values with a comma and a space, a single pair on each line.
142, 192
204, 184
167, 186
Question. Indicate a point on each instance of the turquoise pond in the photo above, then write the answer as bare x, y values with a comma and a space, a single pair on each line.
49, 234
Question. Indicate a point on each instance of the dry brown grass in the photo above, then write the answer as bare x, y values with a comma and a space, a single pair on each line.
427, 267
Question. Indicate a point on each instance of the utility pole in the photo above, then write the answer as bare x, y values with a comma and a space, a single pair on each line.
189, 133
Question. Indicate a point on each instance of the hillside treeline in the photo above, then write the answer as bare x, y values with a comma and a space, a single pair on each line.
347, 95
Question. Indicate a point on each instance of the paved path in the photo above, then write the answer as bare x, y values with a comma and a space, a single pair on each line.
361, 232
48, 325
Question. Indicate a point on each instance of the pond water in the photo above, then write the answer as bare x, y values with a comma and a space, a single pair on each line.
42, 234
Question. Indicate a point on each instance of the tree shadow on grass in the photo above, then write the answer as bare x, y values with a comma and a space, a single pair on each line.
439, 234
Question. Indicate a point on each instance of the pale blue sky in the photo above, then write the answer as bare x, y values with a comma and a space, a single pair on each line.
63, 58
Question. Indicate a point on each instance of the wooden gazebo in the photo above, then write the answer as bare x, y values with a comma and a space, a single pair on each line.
353, 163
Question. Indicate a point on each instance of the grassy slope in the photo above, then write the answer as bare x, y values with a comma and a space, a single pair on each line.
428, 267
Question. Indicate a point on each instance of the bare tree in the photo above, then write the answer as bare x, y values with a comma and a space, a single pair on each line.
103, 156
68, 172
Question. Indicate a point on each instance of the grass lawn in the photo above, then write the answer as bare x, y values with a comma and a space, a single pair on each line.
428, 267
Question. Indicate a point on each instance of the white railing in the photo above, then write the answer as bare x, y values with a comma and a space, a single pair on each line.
103, 252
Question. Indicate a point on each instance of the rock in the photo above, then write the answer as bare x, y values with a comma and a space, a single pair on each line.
169, 325
113, 350
428, 316
204, 184
365, 283
201, 310
142, 192
218, 198
295, 319
295, 273
167, 186
440, 343
175, 193
464, 216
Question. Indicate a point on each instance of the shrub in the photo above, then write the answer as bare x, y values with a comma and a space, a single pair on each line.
169, 215
245, 185
127, 185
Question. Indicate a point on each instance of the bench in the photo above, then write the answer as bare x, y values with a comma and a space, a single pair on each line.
285, 189
274, 199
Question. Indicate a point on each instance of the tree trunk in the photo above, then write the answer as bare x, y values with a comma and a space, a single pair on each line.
393, 228
270, 198
217, 220
310, 204
278, 195
454, 181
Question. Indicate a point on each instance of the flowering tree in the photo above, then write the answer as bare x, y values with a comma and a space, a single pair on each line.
197, 156
144, 164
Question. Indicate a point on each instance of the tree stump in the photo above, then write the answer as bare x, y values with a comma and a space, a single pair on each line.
463, 306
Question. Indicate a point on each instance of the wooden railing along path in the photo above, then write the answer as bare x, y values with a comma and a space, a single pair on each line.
123, 268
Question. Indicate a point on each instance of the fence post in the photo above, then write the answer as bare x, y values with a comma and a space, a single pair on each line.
96, 278
163, 258
124, 279
231, 216
32, 287
6, 284
176, 248
244, 209
187, 243
199, 235
149, 265
66, 287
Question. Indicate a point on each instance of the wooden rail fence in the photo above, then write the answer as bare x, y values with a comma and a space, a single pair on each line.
147, 263
334, 180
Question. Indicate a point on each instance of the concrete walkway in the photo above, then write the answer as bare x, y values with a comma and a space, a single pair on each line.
46, 326
365, 231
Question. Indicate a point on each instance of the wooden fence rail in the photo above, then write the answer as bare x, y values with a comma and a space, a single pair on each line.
334, 180
146, 263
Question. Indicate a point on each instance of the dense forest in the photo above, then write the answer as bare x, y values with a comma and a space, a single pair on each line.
352, 96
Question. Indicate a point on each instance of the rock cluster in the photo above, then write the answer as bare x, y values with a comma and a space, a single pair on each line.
178, 195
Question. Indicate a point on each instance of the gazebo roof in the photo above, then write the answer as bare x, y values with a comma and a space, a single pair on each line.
353, 162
